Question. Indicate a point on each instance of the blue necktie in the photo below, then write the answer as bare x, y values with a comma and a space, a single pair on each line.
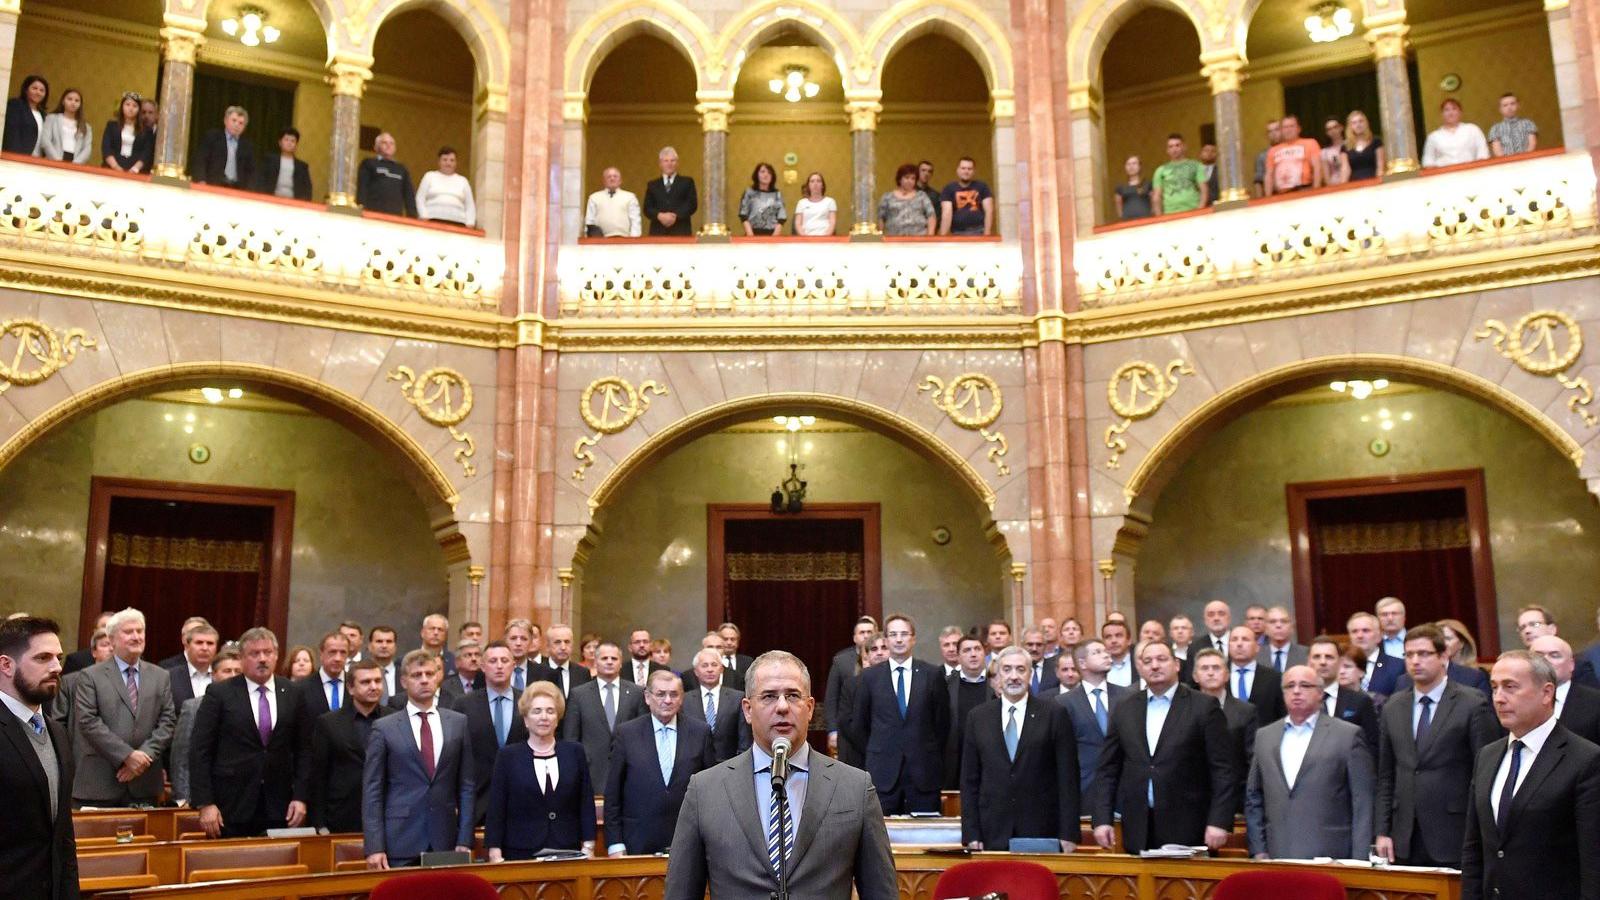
500, 720
1510, 788
664, 753
38, 728
1244, 689
1099, 711
780, 829
1012, 735
333, 701
1035, 688
1425, 720
1277, 660
900, 688
517, 679
711, 710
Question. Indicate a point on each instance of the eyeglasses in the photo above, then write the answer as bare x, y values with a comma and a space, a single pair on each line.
771, 698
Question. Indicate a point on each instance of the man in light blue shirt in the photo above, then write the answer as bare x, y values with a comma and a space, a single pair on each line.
1392, 622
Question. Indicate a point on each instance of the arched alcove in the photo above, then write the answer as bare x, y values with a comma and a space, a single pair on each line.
1149, 95
422, 90
935, 107
631, 118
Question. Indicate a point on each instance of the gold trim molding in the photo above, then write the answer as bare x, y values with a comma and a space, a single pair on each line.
620, 406
433, 396
1542, 329
1148, 387
967, 391
50, 352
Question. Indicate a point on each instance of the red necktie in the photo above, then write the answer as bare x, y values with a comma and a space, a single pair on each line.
427, 746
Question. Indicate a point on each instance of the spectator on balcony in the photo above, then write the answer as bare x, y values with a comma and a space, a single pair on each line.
149, 114
1295, 164
966, 205
1133, 195
1274, 135
1335, 164
66, 135
1455, 141
925, 182
285, 175
124, 145
1208, 161
815, 215
670, 201
761, 209
1363, 150
611, 211
25, 117
1512, 134
905, 211
445, 195
383, 184
1179, 184
225, 158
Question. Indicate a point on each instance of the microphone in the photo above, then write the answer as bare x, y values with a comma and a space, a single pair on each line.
780, 760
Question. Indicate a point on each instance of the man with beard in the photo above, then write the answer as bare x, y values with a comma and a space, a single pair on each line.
38, 856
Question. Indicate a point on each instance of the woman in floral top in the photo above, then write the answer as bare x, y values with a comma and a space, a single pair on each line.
906, 210
761, 208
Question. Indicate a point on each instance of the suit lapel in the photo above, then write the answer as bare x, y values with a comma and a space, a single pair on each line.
1549, 757
741, 785
119, 682
819, 794
1175, 711
12, 727
1441, 716
1270, 752
1032, 730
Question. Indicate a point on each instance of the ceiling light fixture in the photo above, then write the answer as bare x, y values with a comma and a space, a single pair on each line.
250, 26
795, 85
1329, 22
1359, 388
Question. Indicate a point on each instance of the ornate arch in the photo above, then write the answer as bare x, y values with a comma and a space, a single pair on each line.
748, 29
1094, 27
594, 40
956, 19
475, 20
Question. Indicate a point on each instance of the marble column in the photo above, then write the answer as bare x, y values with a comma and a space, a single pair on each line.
1225, 74
180, 40
1569, 74
1003, 113
863, 111
489, 159
574, 115
714, 112
349, 76
1091, 182
1388, 40
10, 11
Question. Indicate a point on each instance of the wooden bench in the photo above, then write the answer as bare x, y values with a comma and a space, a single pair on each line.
122, 870
224, 861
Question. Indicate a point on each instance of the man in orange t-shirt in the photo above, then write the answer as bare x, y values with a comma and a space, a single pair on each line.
1295, 164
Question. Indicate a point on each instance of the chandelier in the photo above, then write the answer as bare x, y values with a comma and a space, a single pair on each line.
790, 494
250, 26
1359, 388
795, 85
1329, 22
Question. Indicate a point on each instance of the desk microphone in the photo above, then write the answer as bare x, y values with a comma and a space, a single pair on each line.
780, 760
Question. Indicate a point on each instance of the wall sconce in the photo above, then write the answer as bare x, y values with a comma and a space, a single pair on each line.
795, 84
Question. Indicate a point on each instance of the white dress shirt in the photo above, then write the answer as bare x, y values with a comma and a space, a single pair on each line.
1562, 690
1292, 750
1416, 706
285, 185
895, 668
1006, 706
1155, 717
1330, 694
1532, 743
22, 710
641, 672
255, 691
198, 680
563, 676
1249, 678
1121, 672
414, 713
547, 771
388, 681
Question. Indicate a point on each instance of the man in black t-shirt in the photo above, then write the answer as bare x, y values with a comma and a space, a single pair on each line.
383, 184
966, 205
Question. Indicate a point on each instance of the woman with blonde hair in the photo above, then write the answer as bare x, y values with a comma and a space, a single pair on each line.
1362, 149
1459, 645
540, 795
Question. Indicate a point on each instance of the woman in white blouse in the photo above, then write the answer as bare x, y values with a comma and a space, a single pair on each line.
66, 134
444, 195
815, 213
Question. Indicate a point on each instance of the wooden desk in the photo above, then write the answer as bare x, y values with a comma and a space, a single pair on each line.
1081, 877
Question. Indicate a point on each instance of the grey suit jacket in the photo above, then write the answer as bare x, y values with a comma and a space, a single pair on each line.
585, 722
841, 839
1328, 812
108, 730
1297, 655
405, 813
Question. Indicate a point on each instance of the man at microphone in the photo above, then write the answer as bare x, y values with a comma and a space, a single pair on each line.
782, 794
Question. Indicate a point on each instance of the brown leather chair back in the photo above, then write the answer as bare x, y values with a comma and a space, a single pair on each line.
106, 826
233, 858
349, 855
105, 865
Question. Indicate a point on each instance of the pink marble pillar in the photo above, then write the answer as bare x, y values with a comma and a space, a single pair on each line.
1585, 35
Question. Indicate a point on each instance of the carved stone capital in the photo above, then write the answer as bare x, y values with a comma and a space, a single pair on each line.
180, 44
1388, 41
863, 114
1002, 105
714, 114
1225, 75
349, 78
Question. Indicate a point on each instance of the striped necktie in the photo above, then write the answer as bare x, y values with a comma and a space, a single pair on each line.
780, 830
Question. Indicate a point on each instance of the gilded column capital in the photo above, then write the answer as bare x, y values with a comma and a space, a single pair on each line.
1224, 74
863, 114
714, 114
1388, 41
180, 43
349, 76
1002, 104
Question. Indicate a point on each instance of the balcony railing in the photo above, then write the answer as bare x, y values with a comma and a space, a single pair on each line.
278, 247
1357, 229
799, 278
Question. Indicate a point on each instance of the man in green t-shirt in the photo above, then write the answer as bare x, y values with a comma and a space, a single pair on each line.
1180, 184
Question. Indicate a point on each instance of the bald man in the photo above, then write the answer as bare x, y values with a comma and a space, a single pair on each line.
1577, 705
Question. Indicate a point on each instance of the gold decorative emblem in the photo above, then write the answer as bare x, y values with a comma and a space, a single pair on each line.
39, 353
1544, 330
974, 402
619, 406
1137, 389
442, 397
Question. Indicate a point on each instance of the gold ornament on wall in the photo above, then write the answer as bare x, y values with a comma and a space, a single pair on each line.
1534, 344
963, 400
443, 397
619, 406
39, 351
1137, 389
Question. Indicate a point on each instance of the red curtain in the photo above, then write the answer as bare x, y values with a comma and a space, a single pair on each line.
1415, 546
171, 560
796, 585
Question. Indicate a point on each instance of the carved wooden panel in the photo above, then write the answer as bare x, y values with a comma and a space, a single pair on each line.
1098, 887
643, 887
917, 885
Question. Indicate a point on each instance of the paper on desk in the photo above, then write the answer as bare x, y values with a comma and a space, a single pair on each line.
1172, 851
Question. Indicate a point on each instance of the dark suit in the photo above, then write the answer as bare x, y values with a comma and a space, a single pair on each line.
1580, 712
730, 678
1243, 723
1266, 691
904, 753
144, 148
314, 696
1586, 668
38, 854
250, 784
650, 667
1086, 731
1034, 795
182, 690
22, 130
81, 658
211, 161
585, 722
1048, 682
485, 743
731, 735
1357, 708
404, 813
267, 183
682, 199
452, 690
642, 809
1466, 676
839, 702
1548, 849
576, 675
1293, 655
338, 760
1423, 790
522, 819
1194, 772
1386, 674
741, 662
